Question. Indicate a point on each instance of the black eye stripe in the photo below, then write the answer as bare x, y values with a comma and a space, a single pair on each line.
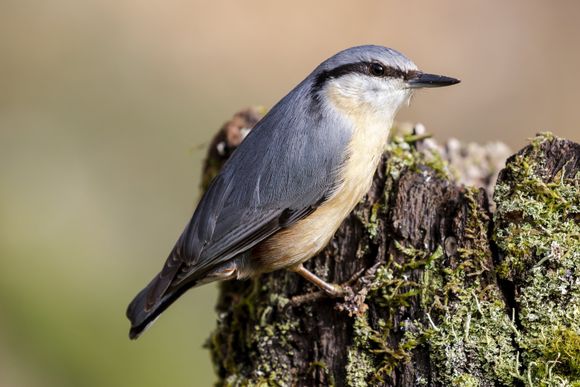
361, 68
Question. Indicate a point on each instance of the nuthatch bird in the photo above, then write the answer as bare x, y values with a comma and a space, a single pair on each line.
287, 188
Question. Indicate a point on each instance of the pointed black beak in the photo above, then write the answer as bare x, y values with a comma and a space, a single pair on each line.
419, 80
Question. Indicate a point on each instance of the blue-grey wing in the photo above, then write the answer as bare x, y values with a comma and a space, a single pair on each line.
286, 167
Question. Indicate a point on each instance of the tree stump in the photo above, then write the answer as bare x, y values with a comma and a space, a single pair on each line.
447, 293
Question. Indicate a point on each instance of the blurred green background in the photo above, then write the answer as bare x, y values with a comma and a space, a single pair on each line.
105, 109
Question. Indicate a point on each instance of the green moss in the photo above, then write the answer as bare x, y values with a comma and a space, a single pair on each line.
465, 326
468, 328
255, 304
538, 231
403, 154
369, 218
359, 367
471, 331
371, 358
474, 334
564, 346
468, 325
372, 224
465, 380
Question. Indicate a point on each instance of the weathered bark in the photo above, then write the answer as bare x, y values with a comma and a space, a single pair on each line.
449, 292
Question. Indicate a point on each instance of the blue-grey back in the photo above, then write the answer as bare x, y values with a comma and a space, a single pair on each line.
287, 164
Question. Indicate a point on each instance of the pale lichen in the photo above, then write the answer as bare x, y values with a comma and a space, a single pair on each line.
466, 327
539, 234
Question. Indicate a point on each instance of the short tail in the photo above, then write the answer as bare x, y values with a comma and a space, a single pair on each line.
142, 316
162, 292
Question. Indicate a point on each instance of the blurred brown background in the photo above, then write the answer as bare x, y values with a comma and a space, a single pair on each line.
105, 107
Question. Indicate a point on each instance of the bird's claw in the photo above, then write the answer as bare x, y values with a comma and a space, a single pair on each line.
330, 290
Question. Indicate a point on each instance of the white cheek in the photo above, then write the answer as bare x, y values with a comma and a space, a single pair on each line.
389, 99
349, 87
371, 95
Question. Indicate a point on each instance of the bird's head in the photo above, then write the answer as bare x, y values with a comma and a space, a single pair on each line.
371, 80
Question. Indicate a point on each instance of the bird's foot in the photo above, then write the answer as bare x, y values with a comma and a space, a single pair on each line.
327, 289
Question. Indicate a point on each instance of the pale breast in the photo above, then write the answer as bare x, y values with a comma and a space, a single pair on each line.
308, 236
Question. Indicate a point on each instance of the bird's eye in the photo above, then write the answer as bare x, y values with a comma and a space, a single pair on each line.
377, 69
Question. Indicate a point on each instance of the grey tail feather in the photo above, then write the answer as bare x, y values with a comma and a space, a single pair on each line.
141, 315
159, 294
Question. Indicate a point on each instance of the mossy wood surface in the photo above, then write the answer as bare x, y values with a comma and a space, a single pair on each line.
450, 293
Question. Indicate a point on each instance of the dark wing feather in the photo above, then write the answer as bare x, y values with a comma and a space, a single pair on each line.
281, 172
